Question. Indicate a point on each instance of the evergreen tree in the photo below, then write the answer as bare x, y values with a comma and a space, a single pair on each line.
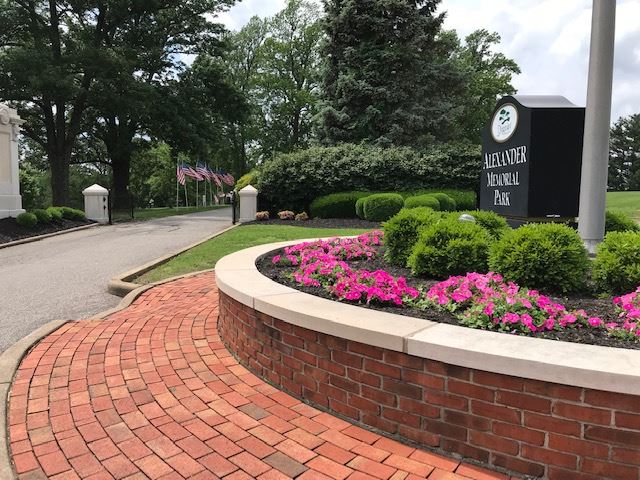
624, 157
389, 76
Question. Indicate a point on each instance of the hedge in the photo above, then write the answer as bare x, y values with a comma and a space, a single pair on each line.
382, 206
336, 205
429, 201
293, 180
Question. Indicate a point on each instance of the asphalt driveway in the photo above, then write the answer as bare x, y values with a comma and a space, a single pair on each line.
65, 277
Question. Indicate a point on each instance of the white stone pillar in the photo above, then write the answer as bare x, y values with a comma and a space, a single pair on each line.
10, 199
248, 204
96, 203
595, 153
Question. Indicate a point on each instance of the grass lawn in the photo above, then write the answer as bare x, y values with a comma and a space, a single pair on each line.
206, 255
149, 213
627, 202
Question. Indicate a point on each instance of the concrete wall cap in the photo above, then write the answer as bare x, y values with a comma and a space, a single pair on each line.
249, 190
95, 189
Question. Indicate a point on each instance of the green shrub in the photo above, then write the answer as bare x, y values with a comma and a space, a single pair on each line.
616, 269
450, 248
28, 220
249, 178
360, 207
465, 199
56, 213
617, 221
380, 207
336, 205
423, 201
292, 180
402, 230
493, 223
42, 215
72, 213
447, 204
547, 256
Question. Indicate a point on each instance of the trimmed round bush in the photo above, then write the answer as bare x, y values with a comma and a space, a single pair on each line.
450, 248
360, 207
27, 220
427, 200
490, 221
380, 207
72, 213
336, 205
616, 269
402, 230
447, 204
56, 213
250, 178
617, 221
42, 215
546, 256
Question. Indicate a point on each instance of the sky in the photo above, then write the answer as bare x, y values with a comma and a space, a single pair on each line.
549, 39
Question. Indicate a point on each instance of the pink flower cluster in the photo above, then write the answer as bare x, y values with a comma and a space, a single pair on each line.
628, 308
487, 301
324, 264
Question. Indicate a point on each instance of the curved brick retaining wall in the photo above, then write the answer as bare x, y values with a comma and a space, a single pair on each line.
524, 425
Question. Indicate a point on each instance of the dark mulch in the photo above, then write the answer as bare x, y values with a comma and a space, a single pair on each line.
599, 307
11, 231
321, 223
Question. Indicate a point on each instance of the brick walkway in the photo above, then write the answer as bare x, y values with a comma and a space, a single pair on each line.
151, 392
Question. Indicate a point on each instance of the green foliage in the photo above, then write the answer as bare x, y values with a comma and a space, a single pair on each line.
450, 248
447, 204
428, 200
249, 178
360, 207
546, 256
616, 269
401, 232
380, 207
56, 214
27, 220
72, 213
32, 186
617, 221
43, 216
624, 154
336, 205
489, 74
306, 174
493, 223
380, 84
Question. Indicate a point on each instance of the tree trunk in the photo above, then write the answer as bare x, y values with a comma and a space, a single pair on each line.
121, 169
59, 163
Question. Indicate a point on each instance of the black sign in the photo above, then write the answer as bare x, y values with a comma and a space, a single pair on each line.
531, 158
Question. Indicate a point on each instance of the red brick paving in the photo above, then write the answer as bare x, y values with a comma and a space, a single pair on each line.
152, 393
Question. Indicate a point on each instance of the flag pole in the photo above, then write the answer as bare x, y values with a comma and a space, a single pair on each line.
177, 185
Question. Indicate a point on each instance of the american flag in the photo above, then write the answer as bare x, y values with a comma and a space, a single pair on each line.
202, 170
189, 171
228, 179
180, 173
214, 176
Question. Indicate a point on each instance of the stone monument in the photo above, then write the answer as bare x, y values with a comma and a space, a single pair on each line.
10, 199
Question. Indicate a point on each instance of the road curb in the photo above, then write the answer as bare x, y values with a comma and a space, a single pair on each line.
122, 284
47, 235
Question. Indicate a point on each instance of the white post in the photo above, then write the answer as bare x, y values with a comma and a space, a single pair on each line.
10, 199
595, 155
96, 203
248, 204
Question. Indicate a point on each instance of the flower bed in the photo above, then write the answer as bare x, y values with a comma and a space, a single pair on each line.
353, 270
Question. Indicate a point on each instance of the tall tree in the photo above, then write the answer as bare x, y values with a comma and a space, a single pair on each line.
389, 78
50, 55
489, 75
288, 83
624, 157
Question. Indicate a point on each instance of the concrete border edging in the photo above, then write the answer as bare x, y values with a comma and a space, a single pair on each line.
46, 235
122, 284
